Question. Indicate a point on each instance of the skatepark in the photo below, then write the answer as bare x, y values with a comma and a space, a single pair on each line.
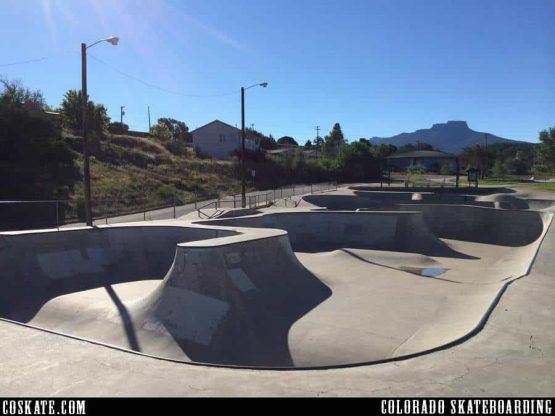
357, 281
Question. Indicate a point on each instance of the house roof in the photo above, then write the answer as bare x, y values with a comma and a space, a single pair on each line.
215, 121
424, 154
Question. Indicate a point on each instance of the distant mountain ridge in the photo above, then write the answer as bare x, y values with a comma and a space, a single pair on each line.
450, 137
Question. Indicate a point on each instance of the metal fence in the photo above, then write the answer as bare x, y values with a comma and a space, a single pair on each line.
416, 180
262, 199
21, 215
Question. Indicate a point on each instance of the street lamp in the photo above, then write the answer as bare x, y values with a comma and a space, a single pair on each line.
243, 186
87, 174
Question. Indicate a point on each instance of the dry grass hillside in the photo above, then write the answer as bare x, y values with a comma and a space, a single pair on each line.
130, 173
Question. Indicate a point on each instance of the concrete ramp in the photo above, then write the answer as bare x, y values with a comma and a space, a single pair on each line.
483, 225
317, 231
37, 266
232, 303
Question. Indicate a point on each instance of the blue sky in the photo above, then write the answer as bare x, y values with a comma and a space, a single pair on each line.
379, 67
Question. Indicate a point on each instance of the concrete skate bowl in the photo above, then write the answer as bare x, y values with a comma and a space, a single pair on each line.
277, 291
37, 266
377, 199
200, 295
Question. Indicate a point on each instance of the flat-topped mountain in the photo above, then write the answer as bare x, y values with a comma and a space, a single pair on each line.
451, 137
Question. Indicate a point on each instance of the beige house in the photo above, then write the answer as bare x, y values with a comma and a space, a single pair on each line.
219, 140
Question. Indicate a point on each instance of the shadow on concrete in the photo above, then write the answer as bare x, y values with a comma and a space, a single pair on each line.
404, 270
213, 320
126, 319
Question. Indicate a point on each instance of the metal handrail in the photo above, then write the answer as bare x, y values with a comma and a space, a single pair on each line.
143, 205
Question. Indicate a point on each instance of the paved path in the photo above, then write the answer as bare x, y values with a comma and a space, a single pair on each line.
227, 202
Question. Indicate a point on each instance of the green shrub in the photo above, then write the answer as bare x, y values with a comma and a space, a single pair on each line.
445, 170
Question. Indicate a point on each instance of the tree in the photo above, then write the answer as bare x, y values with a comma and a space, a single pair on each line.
14, 95
499, 169
424, 146
334, 141
357, 163
162, 132
409, 147
308, 144
383, 150
35, 161
72, 113
478, 157
545, 153
178, 129
118, 128
287, 141
445, 169
266, 142
318, 142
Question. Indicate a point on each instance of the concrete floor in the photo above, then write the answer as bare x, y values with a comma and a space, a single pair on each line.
513, 355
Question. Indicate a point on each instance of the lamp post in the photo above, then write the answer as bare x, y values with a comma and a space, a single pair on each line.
243, 185
86, 168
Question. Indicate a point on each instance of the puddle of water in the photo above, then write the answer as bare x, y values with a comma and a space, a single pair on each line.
426, 271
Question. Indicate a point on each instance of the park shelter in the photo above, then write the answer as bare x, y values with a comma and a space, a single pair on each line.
427, 160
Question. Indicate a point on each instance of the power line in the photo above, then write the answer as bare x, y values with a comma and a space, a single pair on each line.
150, 85
34, 60
119, 71
30, 61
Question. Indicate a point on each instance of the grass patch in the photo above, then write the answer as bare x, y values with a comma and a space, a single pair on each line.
503, 181
520, 183
130, 174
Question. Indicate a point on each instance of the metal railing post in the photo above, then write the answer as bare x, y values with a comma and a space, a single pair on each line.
57, 216
116, 204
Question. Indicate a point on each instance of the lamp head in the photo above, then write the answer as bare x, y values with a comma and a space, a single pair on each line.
264, 84
113, 40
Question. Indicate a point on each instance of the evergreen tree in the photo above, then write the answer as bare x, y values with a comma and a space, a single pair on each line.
334, 141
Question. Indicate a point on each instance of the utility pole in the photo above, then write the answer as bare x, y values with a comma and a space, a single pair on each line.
121, 114
486, 155
149, 119
317, 139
